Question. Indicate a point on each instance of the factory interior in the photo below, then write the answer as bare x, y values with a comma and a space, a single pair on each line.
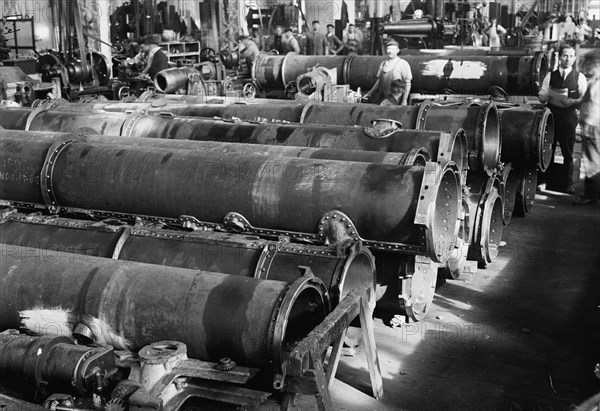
338, 205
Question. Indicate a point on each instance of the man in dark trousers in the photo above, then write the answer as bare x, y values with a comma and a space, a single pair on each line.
563, 90
276, 40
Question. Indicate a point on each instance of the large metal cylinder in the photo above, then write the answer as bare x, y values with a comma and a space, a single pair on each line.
527, 135
129, 305
61, 121
283, 110
288, 194
275, 71
341, 268
482, 130
461, 74
54, 364
411, 28
173, 79
480, 122
198, 134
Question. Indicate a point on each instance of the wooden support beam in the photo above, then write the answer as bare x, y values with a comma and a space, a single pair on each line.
304, 367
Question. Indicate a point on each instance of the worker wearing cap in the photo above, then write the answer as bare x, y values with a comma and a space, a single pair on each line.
335, 44
394, 68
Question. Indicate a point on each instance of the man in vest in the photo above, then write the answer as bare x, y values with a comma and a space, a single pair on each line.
563, 90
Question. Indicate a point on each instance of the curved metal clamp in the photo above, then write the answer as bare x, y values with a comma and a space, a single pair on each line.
336, 227
382, 128
46, 174
190, 222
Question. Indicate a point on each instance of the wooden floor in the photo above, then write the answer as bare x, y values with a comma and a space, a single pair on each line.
522, 335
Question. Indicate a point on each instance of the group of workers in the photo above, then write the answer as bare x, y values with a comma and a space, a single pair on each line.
317, 43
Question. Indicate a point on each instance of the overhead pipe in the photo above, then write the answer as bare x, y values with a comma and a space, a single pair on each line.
58, 294
391, 207
341, 268
289, 111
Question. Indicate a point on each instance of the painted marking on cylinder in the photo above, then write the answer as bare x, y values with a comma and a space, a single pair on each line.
460, 69
46, 321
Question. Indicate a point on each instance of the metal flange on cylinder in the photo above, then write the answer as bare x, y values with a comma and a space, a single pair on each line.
391, 207
526, 191
341, 268
486, 215
55, 295
509, 186
527, 135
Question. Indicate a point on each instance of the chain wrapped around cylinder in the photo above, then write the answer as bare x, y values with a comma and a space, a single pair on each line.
56, 294
393, 207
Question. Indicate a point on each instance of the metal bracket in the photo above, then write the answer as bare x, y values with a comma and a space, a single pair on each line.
121, 242
422, 115
378, 129
191, 222
336, 227
263, 267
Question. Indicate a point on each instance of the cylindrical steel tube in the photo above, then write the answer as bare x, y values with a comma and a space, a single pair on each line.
414, 156
172, 79
129, 305
411, 28
288, 194
341, 269
14, 118
276, 71
62, 121
461, 74
52, 364
479, 121
527, 135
